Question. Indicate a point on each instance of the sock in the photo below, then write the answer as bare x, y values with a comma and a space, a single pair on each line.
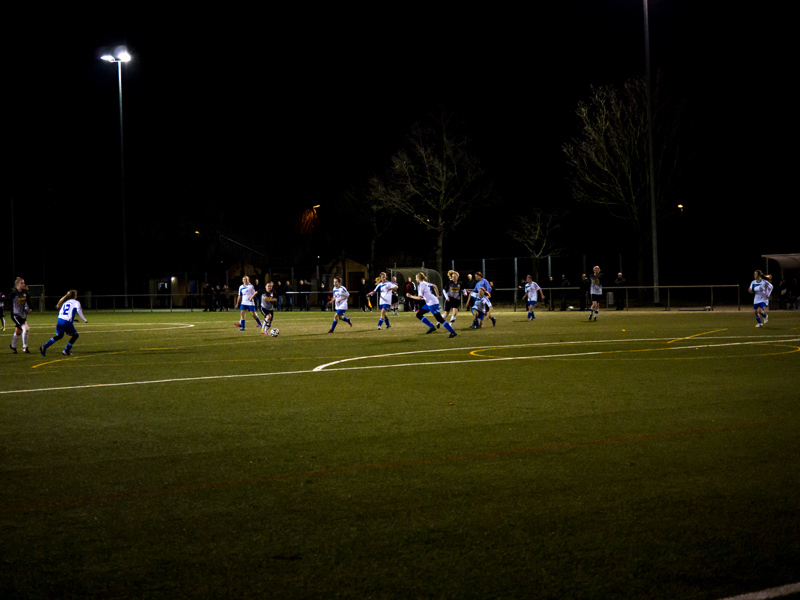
50, 343
241, 323
449, 328
334, 325
68, 347
345, 319
14, 339
387, 321
475, 322
452, 319
24, 338
380, 322
758, 319
428, 323
259, 322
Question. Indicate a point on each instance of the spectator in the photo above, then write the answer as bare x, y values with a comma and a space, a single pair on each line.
395, 297
362, 296
469, 286
619, 282
279, 293
564, 284
288, 289
321, 296
208, 298
411, 290
585, 286
226, 297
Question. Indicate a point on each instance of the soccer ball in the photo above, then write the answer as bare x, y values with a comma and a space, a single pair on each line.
274, 332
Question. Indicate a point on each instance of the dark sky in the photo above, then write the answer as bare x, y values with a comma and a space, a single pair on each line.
257, 115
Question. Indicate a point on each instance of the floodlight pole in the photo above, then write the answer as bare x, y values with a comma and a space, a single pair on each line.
122, 171
653, 216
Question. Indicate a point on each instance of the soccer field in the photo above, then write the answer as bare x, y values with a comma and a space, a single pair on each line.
645, 455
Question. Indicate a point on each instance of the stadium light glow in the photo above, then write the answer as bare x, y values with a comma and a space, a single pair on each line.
107, 57
124, 57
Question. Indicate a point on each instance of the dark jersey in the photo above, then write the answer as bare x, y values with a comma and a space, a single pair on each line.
19, 303
269, 300
453, 289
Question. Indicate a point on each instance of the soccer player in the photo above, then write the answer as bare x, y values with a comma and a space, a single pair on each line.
384, 289
2, 309
596, 290
268, 301
480, 308
452, 302
761, 288
431, 299
245, 300
395, 297
532, 290
67, 307
482, 284
20, 304
340, 296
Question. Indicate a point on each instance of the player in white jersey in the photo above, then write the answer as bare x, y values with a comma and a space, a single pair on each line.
384, 289
67, 307
481, 308
430, 295
340, 296
532, 291
761, 288
596, 290
245, 301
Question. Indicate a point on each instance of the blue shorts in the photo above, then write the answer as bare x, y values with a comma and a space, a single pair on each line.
65, 327
251, 308
761, 305
434, 310
531, 303
385, 306
341, 312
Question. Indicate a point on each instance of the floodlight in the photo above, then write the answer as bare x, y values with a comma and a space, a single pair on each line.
124, 56
107, 57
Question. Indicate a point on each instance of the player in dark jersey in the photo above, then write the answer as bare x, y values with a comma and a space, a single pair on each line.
453, 289
19, 301
269, 300
2, 309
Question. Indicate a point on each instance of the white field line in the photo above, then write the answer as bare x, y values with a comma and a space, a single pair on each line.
761, 341
87, 328
776, 592
418, 364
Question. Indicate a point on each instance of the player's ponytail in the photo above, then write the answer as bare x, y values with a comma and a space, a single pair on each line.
70, 295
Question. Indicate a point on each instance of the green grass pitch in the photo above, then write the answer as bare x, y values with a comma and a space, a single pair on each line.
645, 455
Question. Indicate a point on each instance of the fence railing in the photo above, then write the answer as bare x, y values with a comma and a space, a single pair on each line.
680, 297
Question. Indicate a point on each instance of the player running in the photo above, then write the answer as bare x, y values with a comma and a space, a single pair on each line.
19, 301
762, 289
384, 289
453, 288
67, 307
269, 300
340, 296
482, 284
245, 300
480, 308
596, 290
532, 290
431, 299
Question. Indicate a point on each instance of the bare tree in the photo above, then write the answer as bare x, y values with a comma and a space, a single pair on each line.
609, 160
370, 208
435, 181
537, 233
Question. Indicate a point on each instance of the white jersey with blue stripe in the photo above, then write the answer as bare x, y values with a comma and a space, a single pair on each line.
384, 291
482, 304
762, 289
245, 292
340, 296
69, 309
532, 289
426, 292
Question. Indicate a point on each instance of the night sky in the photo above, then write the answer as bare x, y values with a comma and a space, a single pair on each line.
244, 119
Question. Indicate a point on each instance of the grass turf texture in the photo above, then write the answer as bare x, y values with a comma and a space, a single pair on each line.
628, 469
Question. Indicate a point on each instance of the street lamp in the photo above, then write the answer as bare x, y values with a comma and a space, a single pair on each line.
122, 56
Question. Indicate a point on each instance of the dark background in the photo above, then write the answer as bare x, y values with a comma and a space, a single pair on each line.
238, 120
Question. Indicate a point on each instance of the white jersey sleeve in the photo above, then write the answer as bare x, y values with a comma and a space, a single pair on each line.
340, 296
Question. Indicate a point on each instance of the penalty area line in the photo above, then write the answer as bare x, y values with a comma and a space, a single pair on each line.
776, 592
